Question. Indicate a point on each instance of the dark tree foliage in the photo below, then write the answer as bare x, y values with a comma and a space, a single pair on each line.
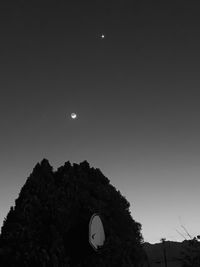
48, 227
191, 253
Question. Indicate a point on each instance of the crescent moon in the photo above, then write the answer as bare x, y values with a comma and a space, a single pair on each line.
73, 116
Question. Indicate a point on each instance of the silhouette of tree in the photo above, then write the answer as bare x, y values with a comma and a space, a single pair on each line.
49, 224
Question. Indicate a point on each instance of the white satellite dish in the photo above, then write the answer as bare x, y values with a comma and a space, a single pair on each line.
96, 232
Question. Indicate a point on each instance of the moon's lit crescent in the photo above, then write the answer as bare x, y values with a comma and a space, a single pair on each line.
73, 116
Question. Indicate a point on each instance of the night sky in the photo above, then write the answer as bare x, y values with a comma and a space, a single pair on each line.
136, 94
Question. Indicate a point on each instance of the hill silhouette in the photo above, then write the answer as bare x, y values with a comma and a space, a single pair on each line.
178, 254
48, 226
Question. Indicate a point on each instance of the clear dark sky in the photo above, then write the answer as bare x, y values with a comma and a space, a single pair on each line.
136, 93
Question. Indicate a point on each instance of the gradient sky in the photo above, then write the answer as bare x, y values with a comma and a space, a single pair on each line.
136, 93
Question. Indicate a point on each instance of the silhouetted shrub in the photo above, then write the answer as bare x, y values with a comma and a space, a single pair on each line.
191, 254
